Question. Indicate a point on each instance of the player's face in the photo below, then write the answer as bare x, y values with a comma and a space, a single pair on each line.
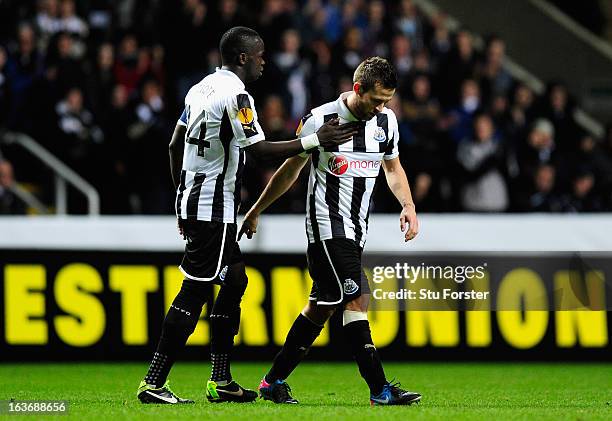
255, 63
372, 102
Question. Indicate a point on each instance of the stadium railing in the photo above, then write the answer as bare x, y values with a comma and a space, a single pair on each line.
63, 175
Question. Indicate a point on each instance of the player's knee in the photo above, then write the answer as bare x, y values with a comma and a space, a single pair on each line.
359, 304
236, 275
193, 294
180, 322
318, 314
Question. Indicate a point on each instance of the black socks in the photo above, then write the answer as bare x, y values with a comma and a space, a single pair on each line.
302, 334
370, 367
179, 323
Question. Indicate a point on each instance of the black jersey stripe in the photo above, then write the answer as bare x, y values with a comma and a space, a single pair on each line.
312, 209
312, 214
225, 136
326, 118
382, 121
359, 140
194, 196
238, 182
359, 188
181, 190
332, 199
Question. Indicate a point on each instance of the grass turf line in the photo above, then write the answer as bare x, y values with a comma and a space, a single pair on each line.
458, 391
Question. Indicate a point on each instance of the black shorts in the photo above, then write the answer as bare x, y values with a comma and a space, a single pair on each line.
211, 247
336, 271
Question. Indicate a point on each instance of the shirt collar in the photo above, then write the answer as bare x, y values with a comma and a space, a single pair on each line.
343, 110
230, 74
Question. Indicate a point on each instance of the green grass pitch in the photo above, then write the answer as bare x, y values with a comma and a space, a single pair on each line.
451, 391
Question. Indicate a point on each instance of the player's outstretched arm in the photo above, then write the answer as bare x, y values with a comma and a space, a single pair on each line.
398, 184
329, 134
281, 181
176, 148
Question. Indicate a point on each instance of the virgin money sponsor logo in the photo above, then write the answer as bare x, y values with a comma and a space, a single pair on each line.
339, 164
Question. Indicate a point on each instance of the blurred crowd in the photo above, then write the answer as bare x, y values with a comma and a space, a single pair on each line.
101, 84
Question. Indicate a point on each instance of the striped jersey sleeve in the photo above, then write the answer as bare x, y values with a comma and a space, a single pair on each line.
306, 127
392, 150
243, 117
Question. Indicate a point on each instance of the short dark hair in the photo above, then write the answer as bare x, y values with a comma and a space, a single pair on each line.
375, 70
235, 41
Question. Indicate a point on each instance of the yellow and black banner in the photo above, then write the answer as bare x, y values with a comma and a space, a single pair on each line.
71, 305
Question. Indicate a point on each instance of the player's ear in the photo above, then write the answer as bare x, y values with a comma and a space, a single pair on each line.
242, 59
357, 88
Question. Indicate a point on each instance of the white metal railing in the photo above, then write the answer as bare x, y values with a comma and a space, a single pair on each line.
64, 175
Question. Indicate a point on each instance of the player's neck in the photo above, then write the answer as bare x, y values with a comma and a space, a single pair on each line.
238, 71
351, 103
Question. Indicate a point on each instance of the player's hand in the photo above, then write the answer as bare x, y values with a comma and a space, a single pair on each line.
249, 225
179, 225
333, 133
408, 219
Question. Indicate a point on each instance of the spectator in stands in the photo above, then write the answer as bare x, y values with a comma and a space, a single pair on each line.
459, 65
67, 64
377, 31
25, 64
274, 119
408, 23
80, 137
539, 149
350, 52
10, 204
481, 159
559, 109
276, 17
74, 26
440, 44
401, 58
188, 22
521, 111
149, 133
422, 111
291, 73
494, 79
582, 197
591, 156
541, 196
102, 81
47, 21
322, 78
352, 15
459, 120
127, 70
115, 198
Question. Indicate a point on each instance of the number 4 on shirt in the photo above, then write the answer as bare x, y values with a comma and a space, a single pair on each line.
200, 139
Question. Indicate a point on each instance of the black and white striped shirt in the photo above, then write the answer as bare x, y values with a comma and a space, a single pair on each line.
221, 119
342, 178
